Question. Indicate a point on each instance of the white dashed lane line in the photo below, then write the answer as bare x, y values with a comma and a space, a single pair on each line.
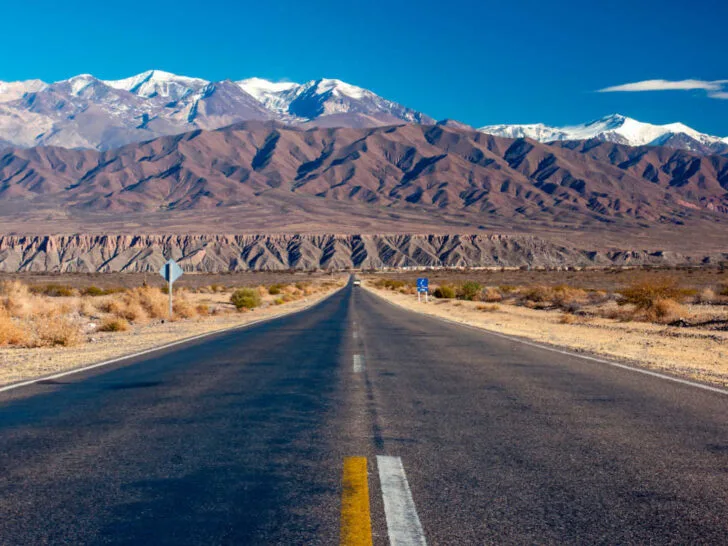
403, 523
358, 363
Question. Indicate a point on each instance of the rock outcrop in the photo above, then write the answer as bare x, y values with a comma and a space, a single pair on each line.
221, 253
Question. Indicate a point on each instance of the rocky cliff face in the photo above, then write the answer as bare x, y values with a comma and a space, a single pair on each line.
220, 253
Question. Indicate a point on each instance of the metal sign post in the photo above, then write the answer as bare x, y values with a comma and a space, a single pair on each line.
171, 272
422, 287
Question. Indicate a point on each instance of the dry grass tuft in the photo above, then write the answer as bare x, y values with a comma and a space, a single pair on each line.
53, 331
114, 324
11, 333
488, 308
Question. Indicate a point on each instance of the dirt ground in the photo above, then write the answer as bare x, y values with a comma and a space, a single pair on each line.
694, 353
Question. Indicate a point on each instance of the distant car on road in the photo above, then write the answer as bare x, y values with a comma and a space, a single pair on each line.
357, 282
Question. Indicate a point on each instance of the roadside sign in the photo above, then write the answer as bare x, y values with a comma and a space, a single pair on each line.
171, 271
423, 287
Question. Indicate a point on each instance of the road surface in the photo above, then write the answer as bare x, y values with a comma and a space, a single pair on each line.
359, 422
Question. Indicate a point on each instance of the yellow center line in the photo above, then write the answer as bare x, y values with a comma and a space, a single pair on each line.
356, 522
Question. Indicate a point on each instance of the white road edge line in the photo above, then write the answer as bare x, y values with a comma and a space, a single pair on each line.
358, 363
403, 523
567, 353
65, 373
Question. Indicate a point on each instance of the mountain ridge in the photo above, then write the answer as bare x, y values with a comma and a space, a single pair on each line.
87, 112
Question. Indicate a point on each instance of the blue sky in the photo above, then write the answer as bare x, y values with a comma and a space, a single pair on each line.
479, 62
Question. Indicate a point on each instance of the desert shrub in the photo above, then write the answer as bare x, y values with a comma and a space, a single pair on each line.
665, 311
707, 295
275, 289
537, 294
203, 310
52, 331
11, 333
154, 302
279, 301
95, 291
215, 288
54, 290
245, 298
567, 318
389, 284
723, 290
487, 308
469, 290
444, 291
183, 308
507, 288
114, 324
490, 294
645, 294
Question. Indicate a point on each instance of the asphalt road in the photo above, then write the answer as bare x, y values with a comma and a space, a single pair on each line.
242, 438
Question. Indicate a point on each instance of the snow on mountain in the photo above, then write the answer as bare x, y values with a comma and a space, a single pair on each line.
272, 95
86, 112
157, 83
10, 91
615, 128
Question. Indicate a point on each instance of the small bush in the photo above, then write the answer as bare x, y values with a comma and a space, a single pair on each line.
52, 331
567, 318
279, 301
54, 290
469, 290
723, 290
490, 294
245, 298
708, 295
444, 292
507, 288
114, 324
274, 289
665, 311
537, 294
10, 332
644, 295
95, 291
488, 308
203, 310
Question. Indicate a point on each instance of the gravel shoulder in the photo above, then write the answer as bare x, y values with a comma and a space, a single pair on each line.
690, 353
20, 364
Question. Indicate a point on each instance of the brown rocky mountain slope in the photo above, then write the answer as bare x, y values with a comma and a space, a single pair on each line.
262, 177
220, 253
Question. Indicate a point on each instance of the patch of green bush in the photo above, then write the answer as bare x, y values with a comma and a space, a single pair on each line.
444, 291
245, 298
470, 291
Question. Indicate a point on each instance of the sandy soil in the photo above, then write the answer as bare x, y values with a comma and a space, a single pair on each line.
688, 352
18, 364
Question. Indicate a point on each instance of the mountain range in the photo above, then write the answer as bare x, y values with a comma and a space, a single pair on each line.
258, 177
87, 112
621, 130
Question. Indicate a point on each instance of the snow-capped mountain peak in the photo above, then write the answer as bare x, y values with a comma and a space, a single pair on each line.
271, 94
153, 83
613, 128
339, 88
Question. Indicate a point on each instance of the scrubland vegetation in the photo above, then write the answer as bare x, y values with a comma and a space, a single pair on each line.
54, 314
661, 300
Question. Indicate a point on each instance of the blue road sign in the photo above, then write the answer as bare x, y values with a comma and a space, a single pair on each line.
422, 285
171, 271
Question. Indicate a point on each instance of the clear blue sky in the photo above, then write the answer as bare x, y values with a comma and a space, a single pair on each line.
480, 62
